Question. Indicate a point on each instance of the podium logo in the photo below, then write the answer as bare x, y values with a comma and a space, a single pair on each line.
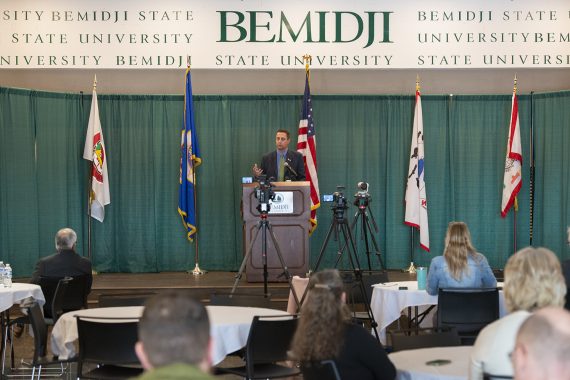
278, 198
316, 27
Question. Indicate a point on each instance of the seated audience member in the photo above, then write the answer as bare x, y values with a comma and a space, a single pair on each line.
174, 338
461, 266
66, 262
533, 280
325, 332
542, 349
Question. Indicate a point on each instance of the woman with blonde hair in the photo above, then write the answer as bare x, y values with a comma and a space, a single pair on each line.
533, 280
461, 266
325, 332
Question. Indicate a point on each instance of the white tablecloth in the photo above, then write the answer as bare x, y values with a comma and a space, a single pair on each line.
411, 364
19, 291
229, 327
388, 302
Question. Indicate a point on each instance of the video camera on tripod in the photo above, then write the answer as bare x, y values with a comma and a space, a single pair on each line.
362, 196
339, 203
264, 193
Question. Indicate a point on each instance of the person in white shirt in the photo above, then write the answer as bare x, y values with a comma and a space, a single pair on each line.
533, 280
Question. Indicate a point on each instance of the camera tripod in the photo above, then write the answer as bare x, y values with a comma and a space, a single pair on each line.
264, 226
339, 226
364, 215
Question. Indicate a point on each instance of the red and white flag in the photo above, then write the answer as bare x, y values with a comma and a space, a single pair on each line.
416, 201
95, 151
512, 180
307, 146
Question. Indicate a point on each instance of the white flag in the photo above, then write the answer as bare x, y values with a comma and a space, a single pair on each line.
512, 181
416, 202
95, 151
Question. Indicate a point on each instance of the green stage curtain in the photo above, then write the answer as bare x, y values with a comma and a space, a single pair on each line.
44, 179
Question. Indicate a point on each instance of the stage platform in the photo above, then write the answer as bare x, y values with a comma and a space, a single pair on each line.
201, 286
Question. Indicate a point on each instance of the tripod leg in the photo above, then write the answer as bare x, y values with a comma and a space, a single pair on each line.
364, 294
325, 243
284, 266
244, 262
374, 244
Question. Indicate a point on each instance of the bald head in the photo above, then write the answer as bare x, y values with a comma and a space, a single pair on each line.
542, 348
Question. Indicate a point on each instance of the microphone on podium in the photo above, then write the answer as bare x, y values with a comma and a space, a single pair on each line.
286, 164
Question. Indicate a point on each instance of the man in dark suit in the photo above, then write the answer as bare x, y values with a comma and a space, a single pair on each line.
282, 164
66, 262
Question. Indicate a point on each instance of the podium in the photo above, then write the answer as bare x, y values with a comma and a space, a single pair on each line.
289, 219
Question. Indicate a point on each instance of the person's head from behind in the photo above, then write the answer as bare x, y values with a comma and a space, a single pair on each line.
533, 280
65, 239
323, 315
174, 328
458, 246
542, 349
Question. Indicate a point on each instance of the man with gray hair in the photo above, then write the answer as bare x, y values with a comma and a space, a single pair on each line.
542, 349
66, 262
174, 338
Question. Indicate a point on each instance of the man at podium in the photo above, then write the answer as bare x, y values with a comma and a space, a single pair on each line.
282, 164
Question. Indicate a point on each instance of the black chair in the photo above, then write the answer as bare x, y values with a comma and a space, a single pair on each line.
468, 310
109, 344
123, 299
358, 295
240, 299
75, 295
410, 339
40, 360
320, 370
268, 342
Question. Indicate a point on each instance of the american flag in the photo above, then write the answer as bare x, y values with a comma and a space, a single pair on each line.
307, 146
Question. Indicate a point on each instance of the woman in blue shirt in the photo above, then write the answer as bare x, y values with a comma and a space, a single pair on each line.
461, 266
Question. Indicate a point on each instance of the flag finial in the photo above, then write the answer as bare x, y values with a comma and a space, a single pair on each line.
515, 85
188, 60
95, 82
417, 82
308, 59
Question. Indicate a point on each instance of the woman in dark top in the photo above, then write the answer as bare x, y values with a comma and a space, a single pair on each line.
325, 332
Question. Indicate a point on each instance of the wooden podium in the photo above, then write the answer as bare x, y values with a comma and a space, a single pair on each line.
289, 219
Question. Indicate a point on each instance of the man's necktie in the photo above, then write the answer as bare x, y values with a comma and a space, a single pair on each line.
281, 168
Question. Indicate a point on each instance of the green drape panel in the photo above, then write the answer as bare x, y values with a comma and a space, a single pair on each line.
43, 177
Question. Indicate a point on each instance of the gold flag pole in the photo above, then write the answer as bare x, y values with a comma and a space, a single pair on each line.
412, 268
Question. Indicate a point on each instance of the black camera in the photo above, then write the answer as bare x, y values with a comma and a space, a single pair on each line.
339, 203
264, 193
362, 197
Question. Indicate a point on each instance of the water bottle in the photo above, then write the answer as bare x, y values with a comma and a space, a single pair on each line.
8, 276
2, 271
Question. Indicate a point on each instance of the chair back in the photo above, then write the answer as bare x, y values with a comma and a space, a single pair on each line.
75, 295
269, 340
240, 299
320, 370
40, 331
106, 340
355, 293
124, 299
410, 339
467, 309
59, 298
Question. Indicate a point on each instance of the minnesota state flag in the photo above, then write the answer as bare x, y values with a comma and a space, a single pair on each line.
189, 160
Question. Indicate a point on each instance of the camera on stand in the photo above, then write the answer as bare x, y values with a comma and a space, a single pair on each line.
362, 196
339, 203
264, 193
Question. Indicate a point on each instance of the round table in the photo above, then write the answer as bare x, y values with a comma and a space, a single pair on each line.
427, 363
229, 327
